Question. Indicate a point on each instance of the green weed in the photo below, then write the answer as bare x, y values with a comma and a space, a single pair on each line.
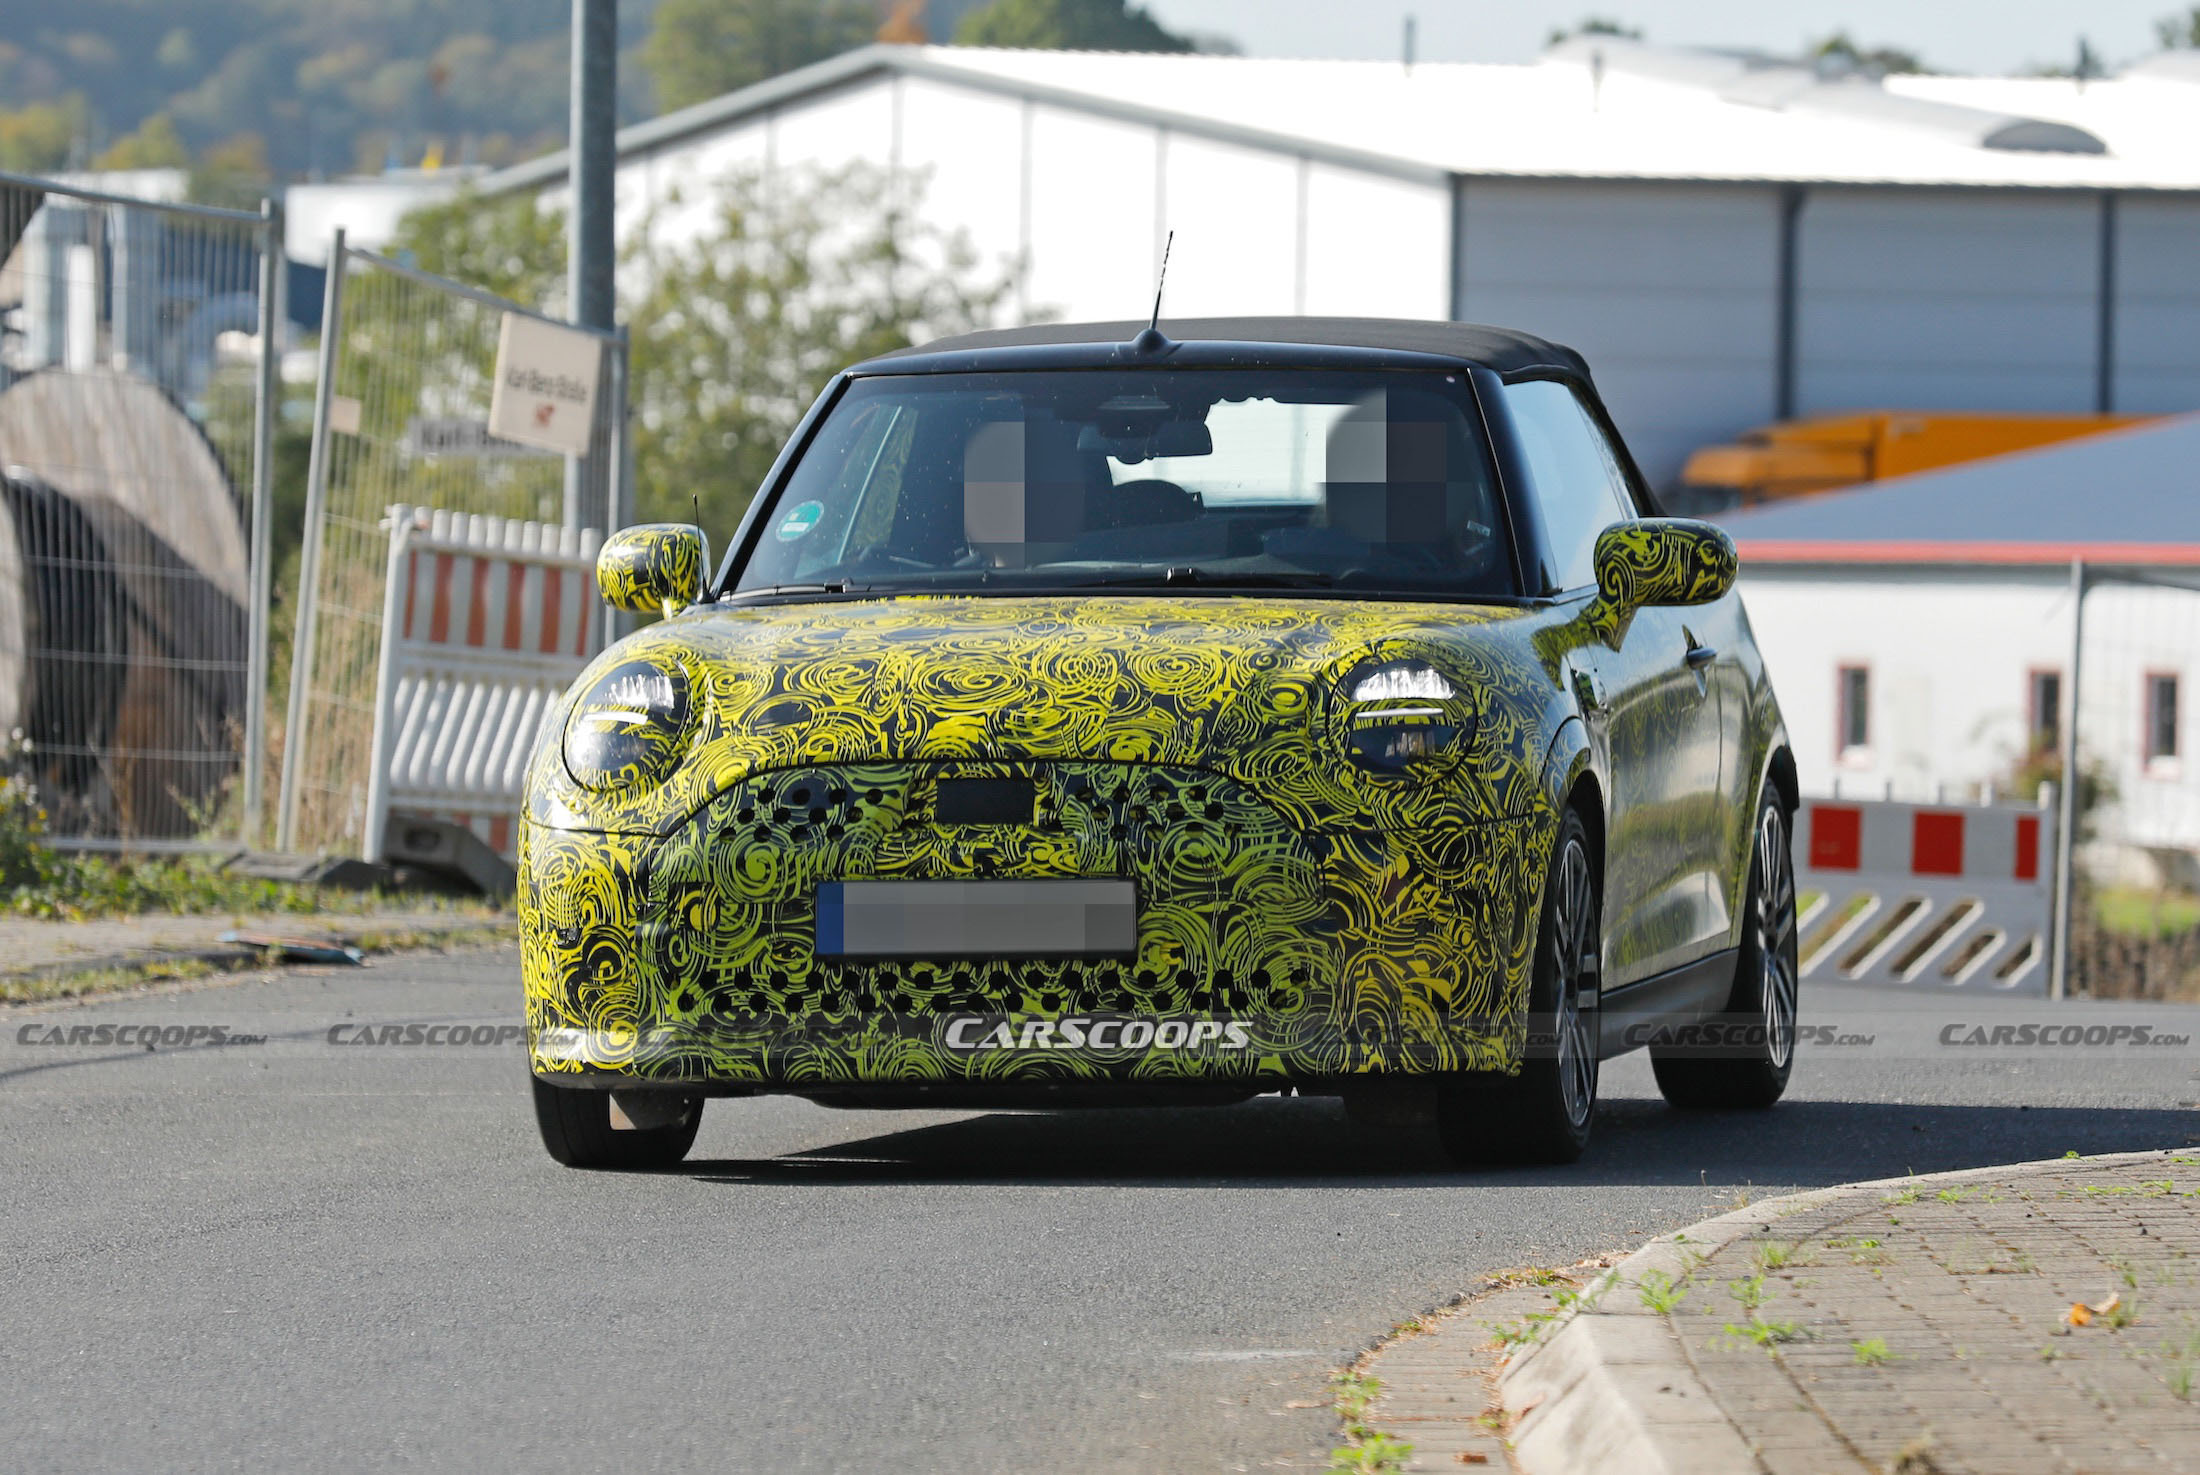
1870, 1352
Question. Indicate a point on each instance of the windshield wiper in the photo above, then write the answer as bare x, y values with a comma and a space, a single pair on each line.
833, 586
1188, 575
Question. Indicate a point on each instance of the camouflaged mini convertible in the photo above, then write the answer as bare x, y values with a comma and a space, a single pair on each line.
1094, 716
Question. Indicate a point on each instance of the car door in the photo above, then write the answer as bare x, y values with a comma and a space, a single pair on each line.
1651, 704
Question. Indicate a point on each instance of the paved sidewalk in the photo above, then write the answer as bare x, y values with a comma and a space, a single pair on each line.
1916, 1325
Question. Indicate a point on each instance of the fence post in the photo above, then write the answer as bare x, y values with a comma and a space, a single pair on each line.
395, 586
618, 473
301, 656
262, 614
2066, 813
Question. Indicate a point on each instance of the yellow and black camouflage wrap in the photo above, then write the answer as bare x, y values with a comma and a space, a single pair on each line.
1660, 561
653, 567
1342, 920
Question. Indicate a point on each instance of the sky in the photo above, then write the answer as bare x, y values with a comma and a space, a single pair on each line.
1992, 36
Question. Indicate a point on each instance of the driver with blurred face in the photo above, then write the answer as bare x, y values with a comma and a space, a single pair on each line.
1023, 491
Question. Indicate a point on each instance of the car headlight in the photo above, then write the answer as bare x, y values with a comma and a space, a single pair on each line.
627, 727
1401, 681
1399, 713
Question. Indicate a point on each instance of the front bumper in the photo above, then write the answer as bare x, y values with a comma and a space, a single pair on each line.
1264, 955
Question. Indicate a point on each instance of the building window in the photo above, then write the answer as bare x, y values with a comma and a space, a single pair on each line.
2161, 717
2043, 719
1854, 732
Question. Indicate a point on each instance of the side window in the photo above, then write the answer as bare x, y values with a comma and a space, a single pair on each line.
1852, 738
1578, 482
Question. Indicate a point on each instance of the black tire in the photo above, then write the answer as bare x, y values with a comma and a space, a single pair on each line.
577, 1131
1752, 1070
1544, 1114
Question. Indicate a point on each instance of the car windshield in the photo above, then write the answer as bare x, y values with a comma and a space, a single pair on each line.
1229, 479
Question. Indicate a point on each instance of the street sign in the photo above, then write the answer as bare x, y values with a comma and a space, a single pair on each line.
427, 435
545, 392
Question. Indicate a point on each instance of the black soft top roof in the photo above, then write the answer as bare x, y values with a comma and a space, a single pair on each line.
1501, 349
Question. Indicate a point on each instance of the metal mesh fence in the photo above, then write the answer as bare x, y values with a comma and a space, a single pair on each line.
407, 364
136, 371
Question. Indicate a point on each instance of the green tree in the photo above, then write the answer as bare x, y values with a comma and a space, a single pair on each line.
2179, 32
701, 49
155, 145
735, 330
1841, 53
1596, 25
38, 139
233, 172
514, 247
1068, 25
736, 333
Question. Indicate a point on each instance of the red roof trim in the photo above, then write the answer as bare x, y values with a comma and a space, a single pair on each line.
1801, 550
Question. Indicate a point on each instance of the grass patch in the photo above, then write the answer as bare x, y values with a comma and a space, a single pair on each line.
1765, 1334
1660, 1292
1870, 1352
1365, 1451
1860, 1250
46, 988
2140, 911
1775, 1256
1748, 1291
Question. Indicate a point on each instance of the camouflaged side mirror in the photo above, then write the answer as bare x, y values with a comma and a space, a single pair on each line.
1664, 560
653, 568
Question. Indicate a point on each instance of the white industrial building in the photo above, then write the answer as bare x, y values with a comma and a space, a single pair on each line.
1921, 631
1729, 240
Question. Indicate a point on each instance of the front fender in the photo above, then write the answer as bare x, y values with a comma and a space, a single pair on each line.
1570, 759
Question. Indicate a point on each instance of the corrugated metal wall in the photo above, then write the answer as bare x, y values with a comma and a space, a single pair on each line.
1934, 299
1670, 292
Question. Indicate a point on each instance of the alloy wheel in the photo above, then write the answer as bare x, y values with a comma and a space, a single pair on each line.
1776, 934
1574, 941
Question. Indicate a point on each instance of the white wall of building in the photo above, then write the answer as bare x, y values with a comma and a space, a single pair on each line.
1086, 202
1951, 653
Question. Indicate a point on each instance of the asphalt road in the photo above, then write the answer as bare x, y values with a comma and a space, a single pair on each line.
298, 1256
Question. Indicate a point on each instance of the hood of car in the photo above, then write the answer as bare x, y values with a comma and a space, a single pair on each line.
1244, 685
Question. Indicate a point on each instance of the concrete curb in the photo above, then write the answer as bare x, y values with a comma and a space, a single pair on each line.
1610, 1386
229, 959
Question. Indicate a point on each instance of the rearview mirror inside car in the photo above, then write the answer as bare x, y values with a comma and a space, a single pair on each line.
1664, 561
653, 568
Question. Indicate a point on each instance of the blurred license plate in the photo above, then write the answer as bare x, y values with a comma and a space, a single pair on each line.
976, 919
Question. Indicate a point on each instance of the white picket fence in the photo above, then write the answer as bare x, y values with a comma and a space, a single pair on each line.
486, 621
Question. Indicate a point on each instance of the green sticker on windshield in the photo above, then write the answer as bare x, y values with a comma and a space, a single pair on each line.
800, 521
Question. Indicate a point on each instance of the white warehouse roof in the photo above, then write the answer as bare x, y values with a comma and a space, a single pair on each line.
1594, 110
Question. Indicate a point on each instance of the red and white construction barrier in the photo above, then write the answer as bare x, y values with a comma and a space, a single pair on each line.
1926, 895
485, 622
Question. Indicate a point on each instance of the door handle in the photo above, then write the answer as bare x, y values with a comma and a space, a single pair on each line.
1588, 690
1700, 656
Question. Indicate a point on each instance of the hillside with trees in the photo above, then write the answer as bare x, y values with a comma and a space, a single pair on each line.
292, 87
246, 92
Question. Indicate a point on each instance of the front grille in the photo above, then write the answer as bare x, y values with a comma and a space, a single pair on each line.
1231, 904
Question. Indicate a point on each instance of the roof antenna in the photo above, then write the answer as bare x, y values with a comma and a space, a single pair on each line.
1151, 339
